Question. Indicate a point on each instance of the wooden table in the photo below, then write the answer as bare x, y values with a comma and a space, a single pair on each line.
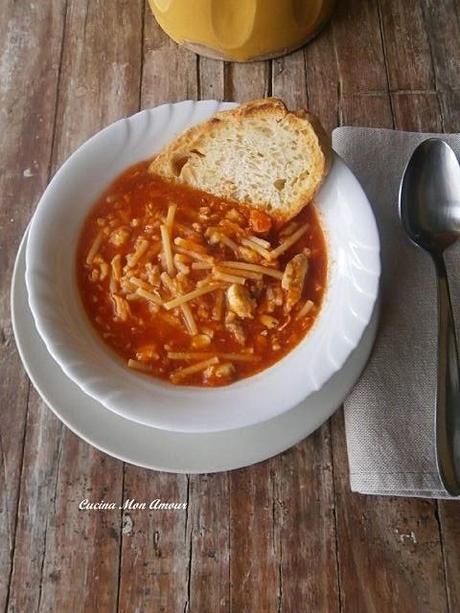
285, 535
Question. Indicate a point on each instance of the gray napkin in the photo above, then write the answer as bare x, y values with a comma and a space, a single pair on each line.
389, 415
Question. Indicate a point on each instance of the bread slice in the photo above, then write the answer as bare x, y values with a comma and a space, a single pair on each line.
258, 154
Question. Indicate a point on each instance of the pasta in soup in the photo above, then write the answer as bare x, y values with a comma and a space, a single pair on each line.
190, 288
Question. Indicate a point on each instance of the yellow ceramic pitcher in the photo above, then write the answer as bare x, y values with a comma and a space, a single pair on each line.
241, 30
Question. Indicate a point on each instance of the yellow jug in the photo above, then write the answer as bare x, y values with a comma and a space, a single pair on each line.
241, 30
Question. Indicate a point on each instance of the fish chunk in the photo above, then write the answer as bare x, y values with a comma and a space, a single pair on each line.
119, 236
273, 298
294, 278
220, 371
235, 327
240, 302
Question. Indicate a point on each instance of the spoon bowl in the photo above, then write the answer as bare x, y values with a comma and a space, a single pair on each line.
430, 196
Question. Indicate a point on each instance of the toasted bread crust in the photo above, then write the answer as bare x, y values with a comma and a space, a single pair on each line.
217, 156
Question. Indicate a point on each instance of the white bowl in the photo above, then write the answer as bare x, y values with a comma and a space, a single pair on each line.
353, 277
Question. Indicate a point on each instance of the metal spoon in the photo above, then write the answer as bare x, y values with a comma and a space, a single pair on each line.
429, 201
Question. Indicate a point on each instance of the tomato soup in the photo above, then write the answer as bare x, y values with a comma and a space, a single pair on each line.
193, 289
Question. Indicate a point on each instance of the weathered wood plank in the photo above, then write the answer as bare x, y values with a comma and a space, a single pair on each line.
244, 82
358, 48
305, 526
93, 93
41, 463
362, 78
254, 564
289, 80
346, 74
322, 78
155, 550
370, 110
442, 23
417, 112
389, 549
74, 555
410, 68
80, 548
30, 42
406, 45
449, 519
169, 72
211, 79
209, 520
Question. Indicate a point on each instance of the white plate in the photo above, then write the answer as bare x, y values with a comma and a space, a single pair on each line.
171, 451
354, 269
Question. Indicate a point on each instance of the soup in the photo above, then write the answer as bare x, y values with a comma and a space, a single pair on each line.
193, 289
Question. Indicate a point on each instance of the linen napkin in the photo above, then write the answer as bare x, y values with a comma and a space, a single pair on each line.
389, 415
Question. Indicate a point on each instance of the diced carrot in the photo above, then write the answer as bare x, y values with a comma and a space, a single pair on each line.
260, 222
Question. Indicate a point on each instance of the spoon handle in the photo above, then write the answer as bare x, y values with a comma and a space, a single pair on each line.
447, 420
